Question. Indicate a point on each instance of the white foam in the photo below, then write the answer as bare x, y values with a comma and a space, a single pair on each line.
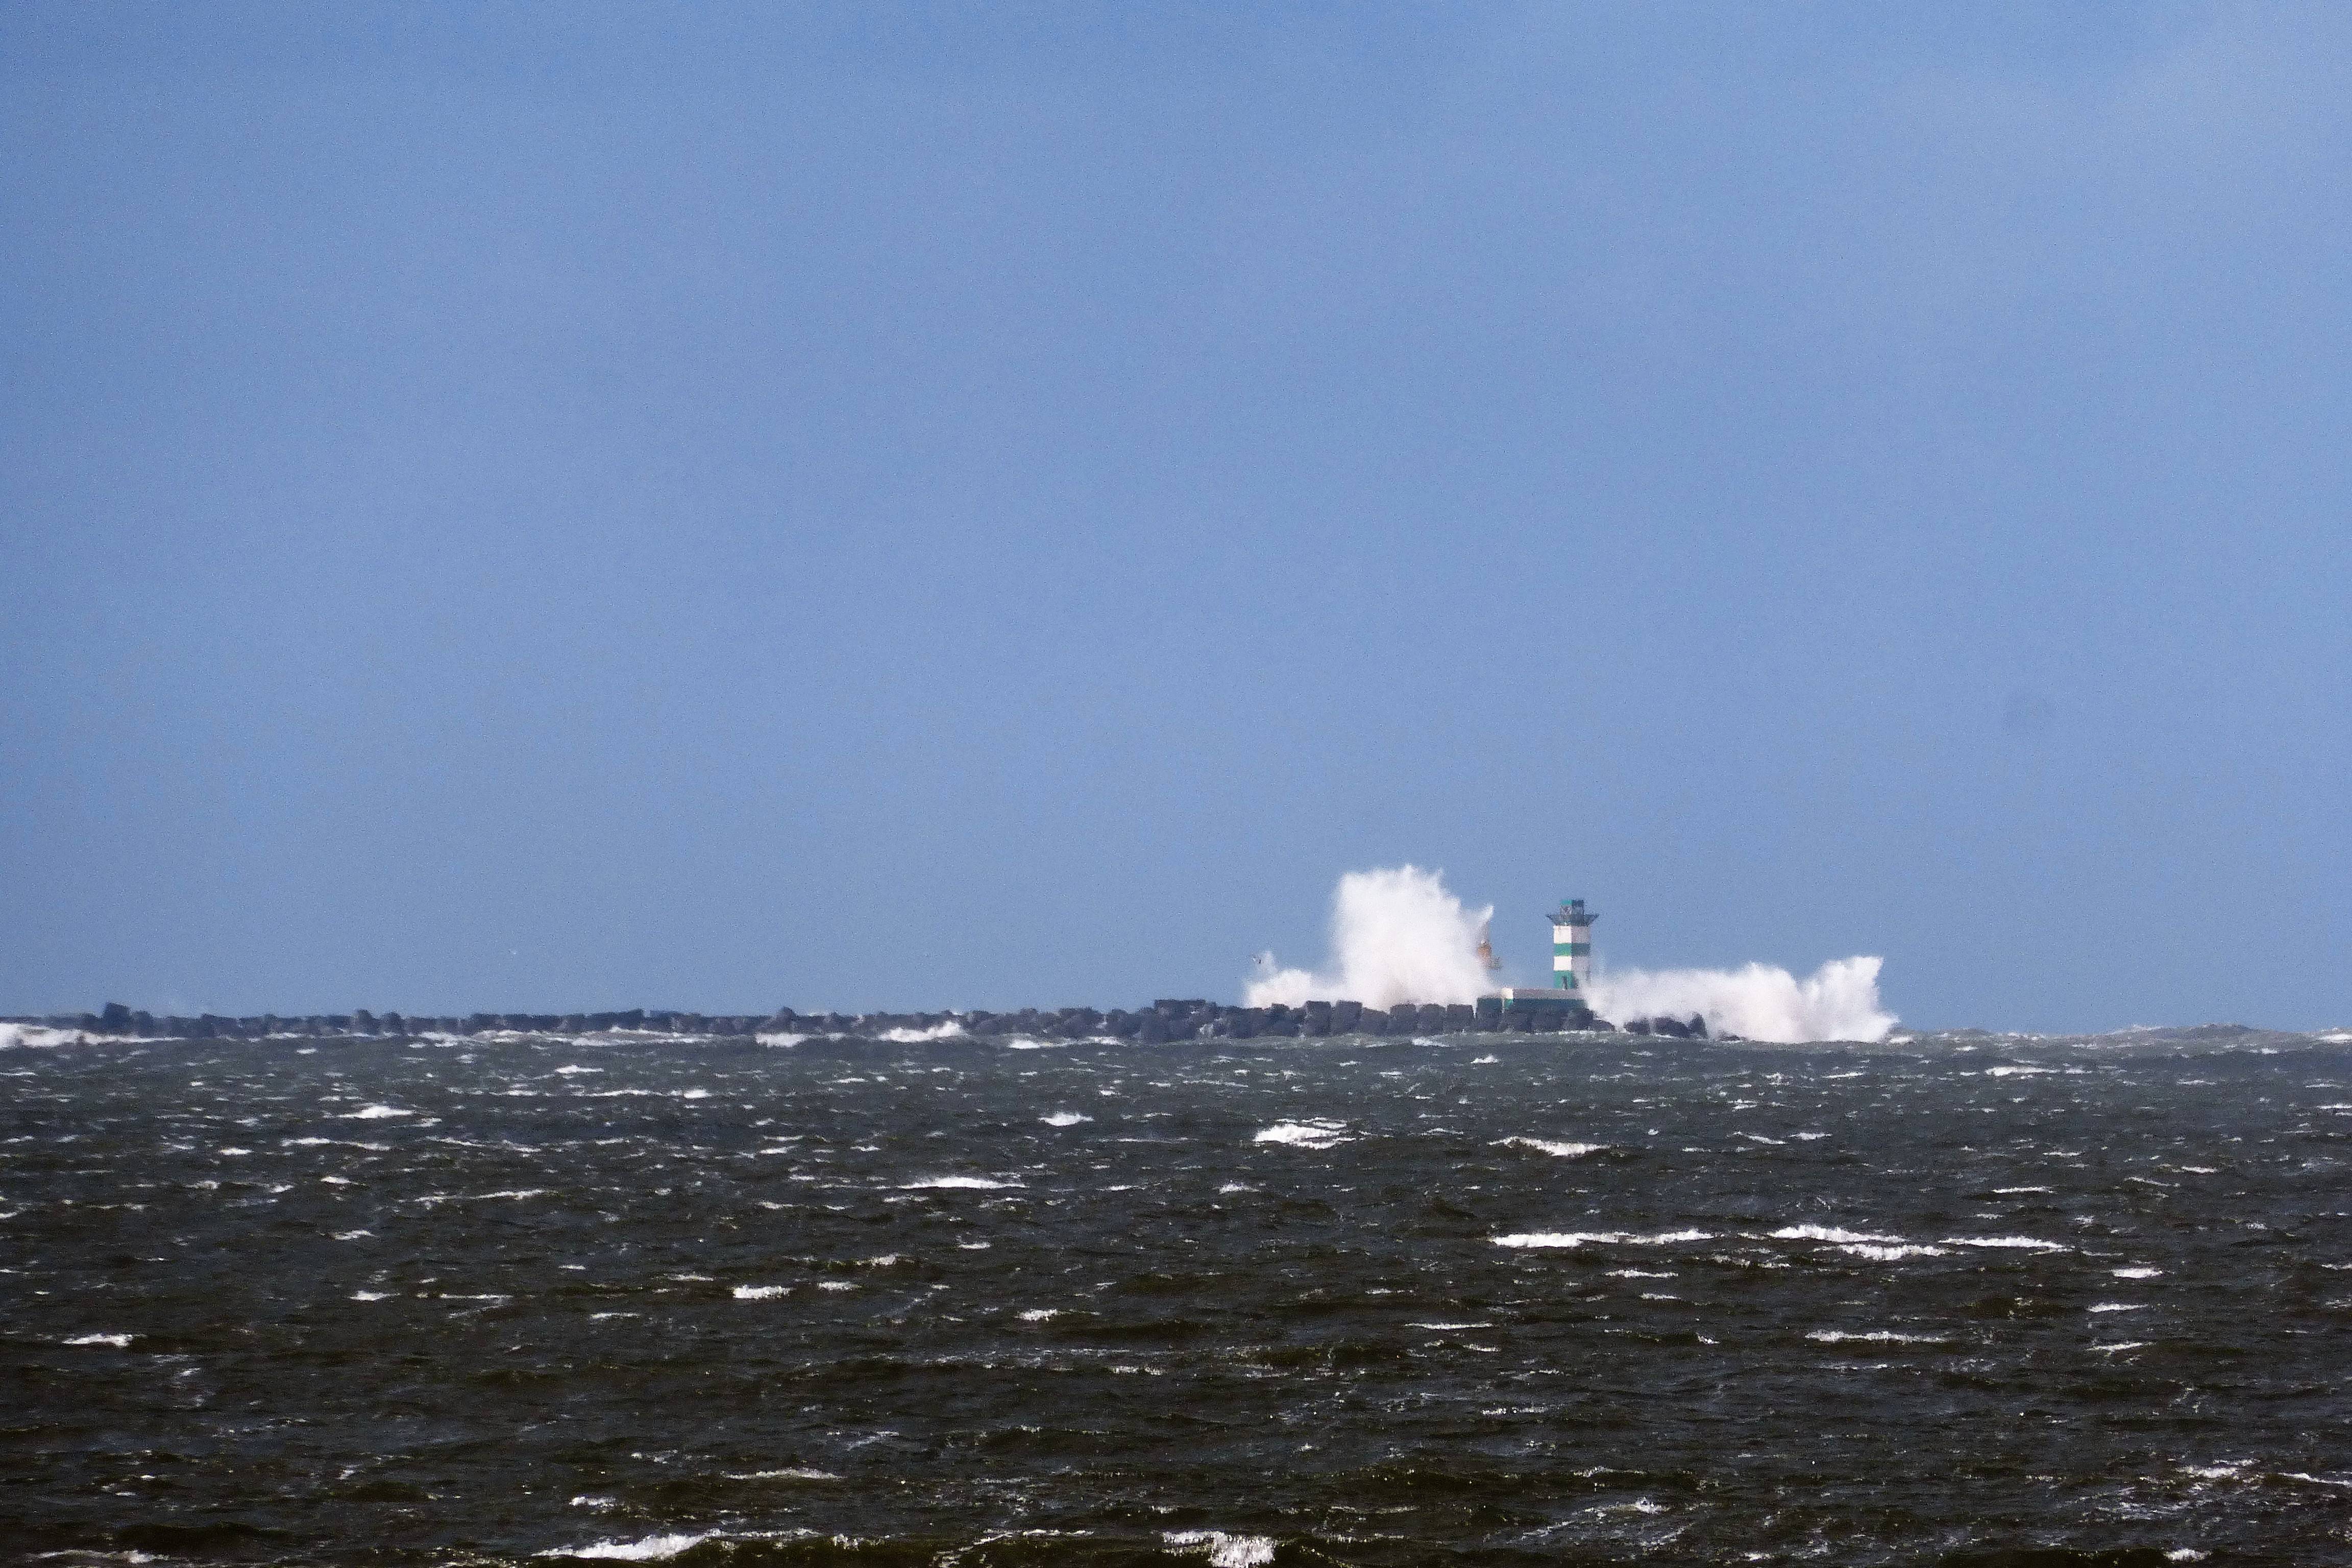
1564, 1150
36, 1035
1040, 1314
977, 1182
1877, 1337
1065, 1119
1827, 1233
782, 1476
429, 1199
1225, 1551
371, 1295
1889, 1253
651, 1549
2120, 1307
782, 1040
2017, 1071
2140, 1273
120, 1342
759, 1292
2017, 1242
1560, 1238
1304, 1134
376, 1113
835, 1285
946, 1031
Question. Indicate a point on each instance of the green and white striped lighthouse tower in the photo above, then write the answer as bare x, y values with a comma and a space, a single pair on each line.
1571, 949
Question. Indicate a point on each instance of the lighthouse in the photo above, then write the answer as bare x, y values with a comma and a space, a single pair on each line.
1561, 1004
1571, 949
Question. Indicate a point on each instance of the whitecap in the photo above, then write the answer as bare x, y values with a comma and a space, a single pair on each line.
2018, 1243
1827, 1233
759, 1292
120, 1342
1065, 1119
375, 1113
2140, 1273
1225, 1551
1889, 1253
782, 1476
2119, 1307
1564, 1150
1579, 1237
1040, 1314
1304, 1134
651, 1549
1877, 1337
977, 1182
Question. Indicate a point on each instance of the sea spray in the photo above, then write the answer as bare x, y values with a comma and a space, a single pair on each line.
1397, 935
1838, 1001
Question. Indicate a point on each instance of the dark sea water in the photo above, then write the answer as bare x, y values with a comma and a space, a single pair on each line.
1522, 1299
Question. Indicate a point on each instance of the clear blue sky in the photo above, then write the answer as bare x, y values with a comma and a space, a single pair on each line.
572, 506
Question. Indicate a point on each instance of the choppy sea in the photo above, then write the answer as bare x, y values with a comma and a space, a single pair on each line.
1514, 1298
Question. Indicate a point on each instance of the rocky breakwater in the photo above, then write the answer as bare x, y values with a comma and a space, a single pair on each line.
1164, 1020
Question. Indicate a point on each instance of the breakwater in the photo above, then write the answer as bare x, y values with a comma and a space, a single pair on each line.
1167, 1019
